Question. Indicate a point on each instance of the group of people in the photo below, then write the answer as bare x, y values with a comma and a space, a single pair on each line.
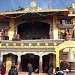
13, 71
60, 72
57, 72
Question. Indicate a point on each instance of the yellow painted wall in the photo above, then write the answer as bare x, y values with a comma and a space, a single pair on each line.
11, 30
55, 29
8, 63
54, 63
57, 58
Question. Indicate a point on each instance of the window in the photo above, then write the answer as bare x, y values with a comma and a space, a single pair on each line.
65, 21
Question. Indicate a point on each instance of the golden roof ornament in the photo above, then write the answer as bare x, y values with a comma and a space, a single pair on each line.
26, 9
39, 8
33, 5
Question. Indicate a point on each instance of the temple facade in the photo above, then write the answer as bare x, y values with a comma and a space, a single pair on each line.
40, 37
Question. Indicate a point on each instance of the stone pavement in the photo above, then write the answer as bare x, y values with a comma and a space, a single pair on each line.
26, 73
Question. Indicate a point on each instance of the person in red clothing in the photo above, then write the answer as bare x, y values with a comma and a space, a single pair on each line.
3, 69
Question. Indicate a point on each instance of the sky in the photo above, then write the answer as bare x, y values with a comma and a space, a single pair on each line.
6, 5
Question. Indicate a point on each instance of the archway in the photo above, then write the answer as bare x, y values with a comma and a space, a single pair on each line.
47, 62
36, 30
9, 59
63, 63
29, 58
66, 45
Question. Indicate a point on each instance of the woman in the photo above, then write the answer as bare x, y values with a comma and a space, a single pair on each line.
3, 69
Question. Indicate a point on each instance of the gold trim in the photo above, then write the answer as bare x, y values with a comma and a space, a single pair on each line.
7, 47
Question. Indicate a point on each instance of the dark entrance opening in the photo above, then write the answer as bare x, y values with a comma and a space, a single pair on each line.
29, 58
47, 62
12, 56
38, 30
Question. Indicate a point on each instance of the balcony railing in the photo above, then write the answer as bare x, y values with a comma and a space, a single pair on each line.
41, 42
65, 26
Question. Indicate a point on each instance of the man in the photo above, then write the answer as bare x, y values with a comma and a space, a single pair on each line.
50, 71
3, 69
30, 70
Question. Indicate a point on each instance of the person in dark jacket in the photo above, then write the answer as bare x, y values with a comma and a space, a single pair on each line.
30, 70
3, 69
13, 71
50, 71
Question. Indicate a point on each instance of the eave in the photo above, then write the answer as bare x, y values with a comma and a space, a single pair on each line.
30, 11
71, 15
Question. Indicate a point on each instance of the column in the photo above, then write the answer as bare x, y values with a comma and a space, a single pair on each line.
1, 58
40, 64
55, 29
57, 58
54, 63
19, 62
11, 30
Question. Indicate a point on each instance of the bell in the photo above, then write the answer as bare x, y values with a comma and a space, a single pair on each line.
70, 57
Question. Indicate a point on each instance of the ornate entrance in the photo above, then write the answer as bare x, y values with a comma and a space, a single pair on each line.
47, 62
8, 59
29, 58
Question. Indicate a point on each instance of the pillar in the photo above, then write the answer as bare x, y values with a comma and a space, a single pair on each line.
55, 29
40, 64
1, 58
73, 30
57, 58
11, 30
54, 64
19, 59
19, 62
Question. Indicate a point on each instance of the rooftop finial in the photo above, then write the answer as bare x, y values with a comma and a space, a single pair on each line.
33, 4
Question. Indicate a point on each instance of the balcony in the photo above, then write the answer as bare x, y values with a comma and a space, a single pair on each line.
41, 42
30, 45
65, 26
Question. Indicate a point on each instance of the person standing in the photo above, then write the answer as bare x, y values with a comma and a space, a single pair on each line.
3, 69
13, 71
49, 71
30, 70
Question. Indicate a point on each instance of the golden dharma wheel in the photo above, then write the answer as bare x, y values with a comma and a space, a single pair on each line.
33, 4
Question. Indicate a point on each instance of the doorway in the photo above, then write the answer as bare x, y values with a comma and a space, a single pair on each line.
29, 58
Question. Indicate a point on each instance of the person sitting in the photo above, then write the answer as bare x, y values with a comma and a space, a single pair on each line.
59, 72
36, 71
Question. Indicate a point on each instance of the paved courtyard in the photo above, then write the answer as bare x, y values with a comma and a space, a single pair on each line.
25, 73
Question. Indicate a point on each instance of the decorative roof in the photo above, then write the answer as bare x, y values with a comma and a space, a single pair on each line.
33, 5
39, 11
